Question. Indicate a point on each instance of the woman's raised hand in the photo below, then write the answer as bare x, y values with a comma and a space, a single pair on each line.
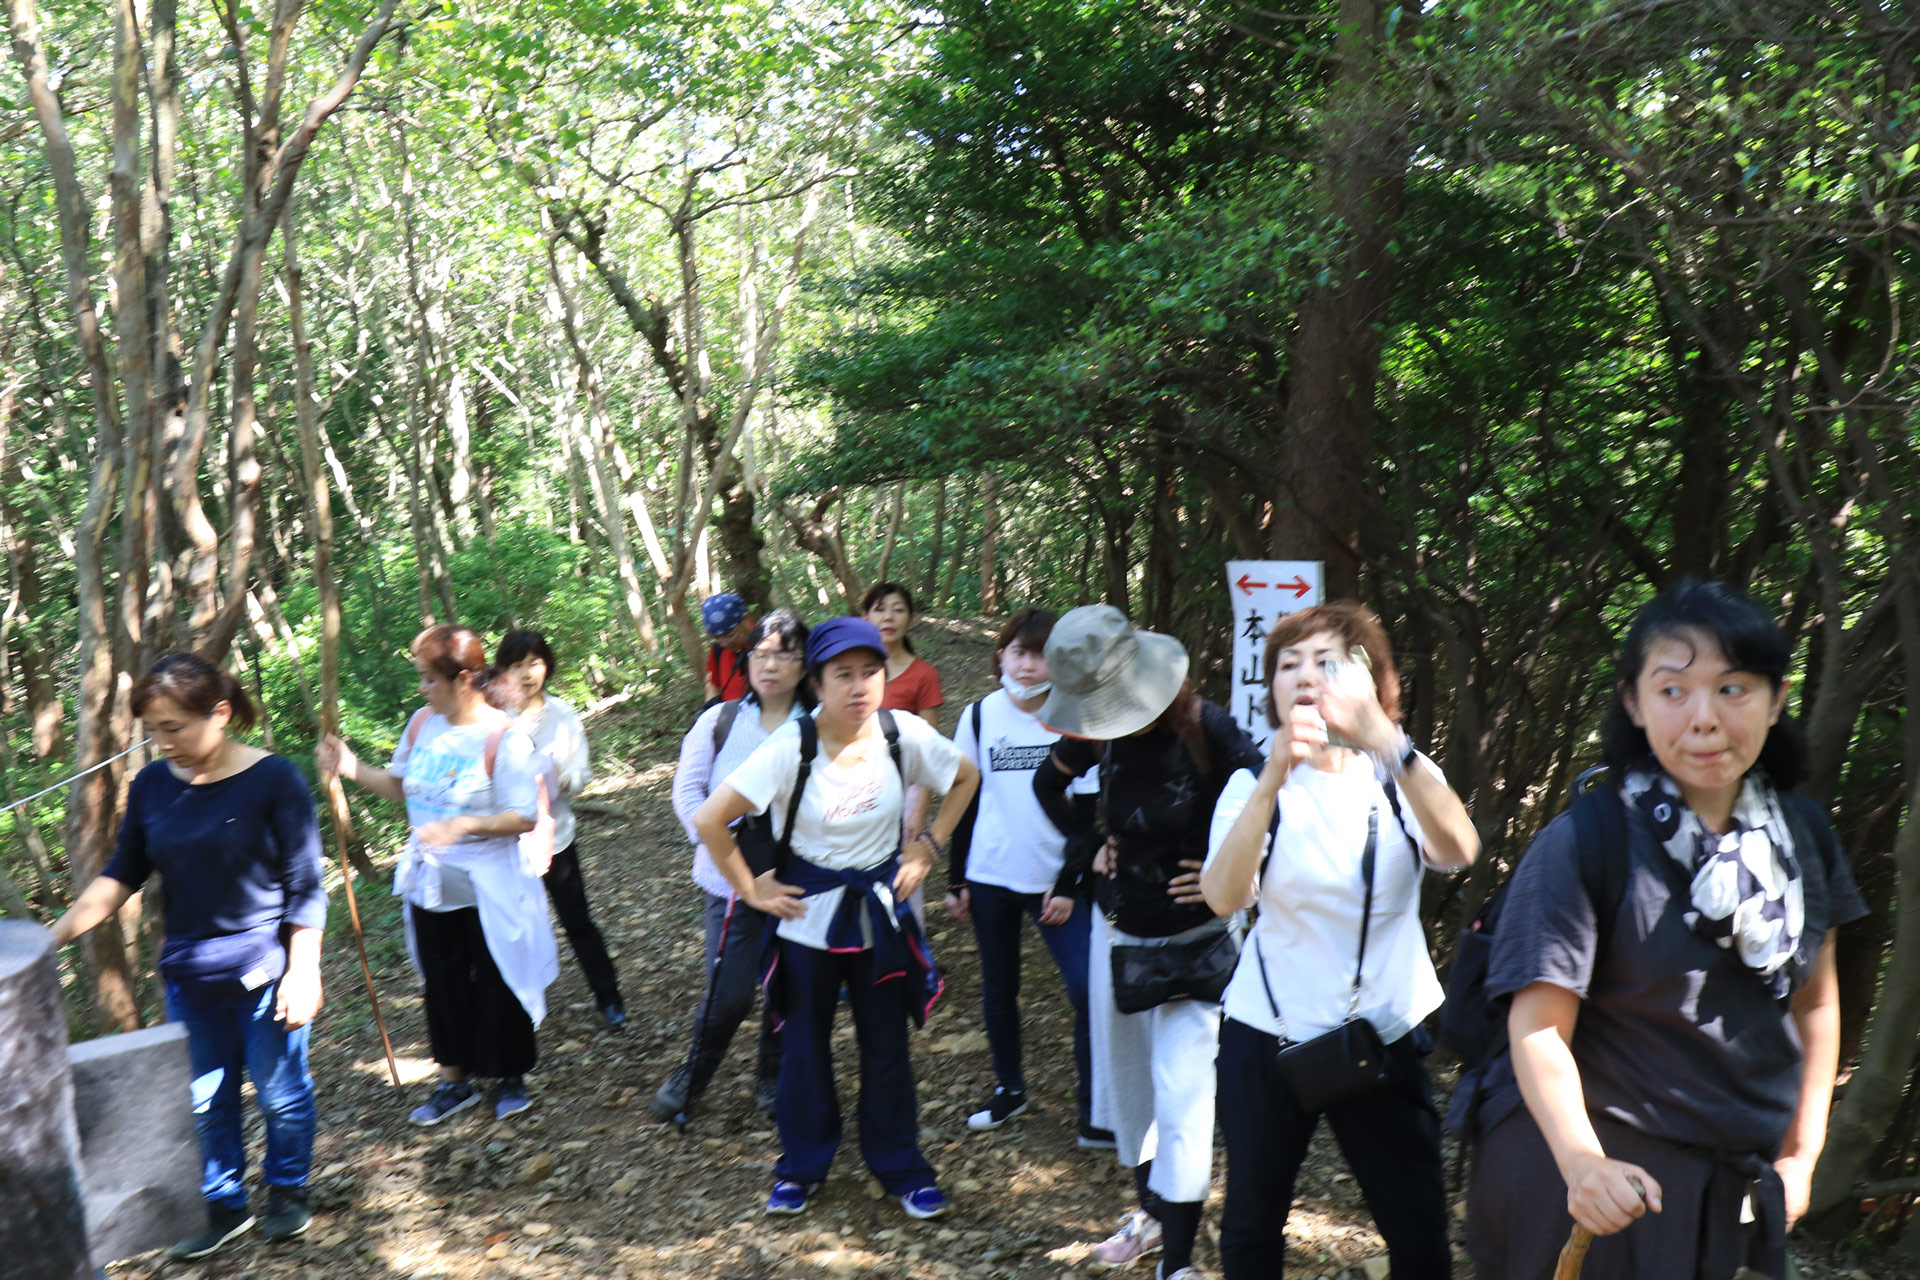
773, 897
1353, 711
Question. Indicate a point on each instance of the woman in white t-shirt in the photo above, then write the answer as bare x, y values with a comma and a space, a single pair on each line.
475, 910
1009, 861
720, 741
1337, 812
839, 894
526, 665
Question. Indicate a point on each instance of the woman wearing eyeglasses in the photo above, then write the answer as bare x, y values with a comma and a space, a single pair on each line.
720, 740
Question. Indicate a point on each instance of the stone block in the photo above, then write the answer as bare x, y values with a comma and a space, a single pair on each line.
137, 1144
43, 1230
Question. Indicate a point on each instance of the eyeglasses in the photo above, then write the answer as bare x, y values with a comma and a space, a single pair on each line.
774, 659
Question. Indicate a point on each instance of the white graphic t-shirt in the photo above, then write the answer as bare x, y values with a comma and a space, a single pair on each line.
849, 817
1014, 844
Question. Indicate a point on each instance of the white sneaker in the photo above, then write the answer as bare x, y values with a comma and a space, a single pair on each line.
1184, 1273
1138, 1236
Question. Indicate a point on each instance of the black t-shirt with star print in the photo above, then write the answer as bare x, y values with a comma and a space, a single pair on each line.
1158, 803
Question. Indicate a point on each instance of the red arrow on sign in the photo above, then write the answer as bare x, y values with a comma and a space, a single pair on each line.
1299, 586
1247, 586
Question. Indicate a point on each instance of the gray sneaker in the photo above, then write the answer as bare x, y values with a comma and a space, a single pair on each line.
1138, 1236
450, 1098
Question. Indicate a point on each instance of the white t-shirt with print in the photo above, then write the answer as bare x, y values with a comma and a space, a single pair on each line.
1311, 898
849, 818
1015, 845
444, 774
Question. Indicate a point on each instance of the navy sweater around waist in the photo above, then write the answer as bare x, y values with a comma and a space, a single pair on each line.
241, 855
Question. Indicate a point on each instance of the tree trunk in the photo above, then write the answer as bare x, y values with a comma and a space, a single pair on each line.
1327, 431
320, 517
893, 530
961, 519
989, 543
933, 546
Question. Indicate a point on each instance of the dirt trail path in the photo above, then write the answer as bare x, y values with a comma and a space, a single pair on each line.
589, 1185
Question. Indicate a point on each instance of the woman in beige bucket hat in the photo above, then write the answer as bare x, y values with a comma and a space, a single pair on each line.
1122, 697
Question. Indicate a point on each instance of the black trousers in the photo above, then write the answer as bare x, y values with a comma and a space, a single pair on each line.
567, 890
734, 933
474, 1021
1391, 1139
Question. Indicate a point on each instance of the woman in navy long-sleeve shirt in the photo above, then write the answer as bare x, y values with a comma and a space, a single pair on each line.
231, 829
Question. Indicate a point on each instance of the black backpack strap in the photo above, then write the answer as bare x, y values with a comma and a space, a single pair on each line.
809, 747
1392, 789
979, 748
1600, 848
891, 728
723, 724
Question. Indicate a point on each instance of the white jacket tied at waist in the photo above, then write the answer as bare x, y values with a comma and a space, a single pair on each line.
513, 910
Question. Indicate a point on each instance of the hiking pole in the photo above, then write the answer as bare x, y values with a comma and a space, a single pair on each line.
1574, 1255
337, 802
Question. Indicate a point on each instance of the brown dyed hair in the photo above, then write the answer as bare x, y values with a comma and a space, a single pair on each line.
1353, 623
451, 650
195, 685
1031, 627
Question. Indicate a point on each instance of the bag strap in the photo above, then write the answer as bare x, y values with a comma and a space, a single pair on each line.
1367, 857
891, 728
1366, 913
723, 724
809, 746
979, 748
493, 745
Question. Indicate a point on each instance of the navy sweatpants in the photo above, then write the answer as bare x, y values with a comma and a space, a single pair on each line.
808, 1109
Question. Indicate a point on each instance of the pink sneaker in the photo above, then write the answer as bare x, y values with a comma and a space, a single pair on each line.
1138, 1236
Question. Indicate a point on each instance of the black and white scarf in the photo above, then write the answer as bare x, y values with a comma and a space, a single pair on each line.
1745, 885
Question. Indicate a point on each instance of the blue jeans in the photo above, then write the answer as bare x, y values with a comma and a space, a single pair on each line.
223, 1037
996, 924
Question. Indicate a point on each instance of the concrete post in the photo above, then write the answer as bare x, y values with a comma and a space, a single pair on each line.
43, 1222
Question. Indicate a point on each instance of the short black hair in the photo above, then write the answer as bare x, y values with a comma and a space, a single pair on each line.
1746, 633
518, 646
786, 624
1030, 626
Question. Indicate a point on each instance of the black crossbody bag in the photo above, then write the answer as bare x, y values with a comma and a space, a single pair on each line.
1349, 1061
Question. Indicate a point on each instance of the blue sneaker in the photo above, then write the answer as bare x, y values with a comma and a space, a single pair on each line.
511, 1099
450, 1098
927, 1202
788, 1198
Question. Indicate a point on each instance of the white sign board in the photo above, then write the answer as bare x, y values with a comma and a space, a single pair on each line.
1262, 591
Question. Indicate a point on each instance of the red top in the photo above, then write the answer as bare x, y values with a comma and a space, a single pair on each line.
727, 672
917, 689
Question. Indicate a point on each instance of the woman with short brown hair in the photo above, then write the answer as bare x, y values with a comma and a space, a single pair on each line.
476, 911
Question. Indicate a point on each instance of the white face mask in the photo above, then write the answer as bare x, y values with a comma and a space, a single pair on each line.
1023, 692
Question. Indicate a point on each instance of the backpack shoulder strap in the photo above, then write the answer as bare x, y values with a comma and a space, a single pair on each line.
1600, 846
415, 724
891, 728
493, 744
723, 724
979, 748
809, 747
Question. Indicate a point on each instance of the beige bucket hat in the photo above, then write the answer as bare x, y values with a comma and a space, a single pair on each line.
1109, 679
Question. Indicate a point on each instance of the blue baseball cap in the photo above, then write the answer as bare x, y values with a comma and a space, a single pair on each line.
722, 613
837, 635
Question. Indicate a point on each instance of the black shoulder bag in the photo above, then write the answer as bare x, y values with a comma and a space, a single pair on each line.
1349, 1061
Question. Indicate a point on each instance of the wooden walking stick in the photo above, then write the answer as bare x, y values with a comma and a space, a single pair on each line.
320, 511
1574, 1255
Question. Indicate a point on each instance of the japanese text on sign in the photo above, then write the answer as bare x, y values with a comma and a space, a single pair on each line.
1261, 591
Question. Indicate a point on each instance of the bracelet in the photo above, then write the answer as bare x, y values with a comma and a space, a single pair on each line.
939, 850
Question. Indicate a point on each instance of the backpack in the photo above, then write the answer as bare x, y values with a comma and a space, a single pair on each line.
1473, 1027
755, 835
723, 724
539, 841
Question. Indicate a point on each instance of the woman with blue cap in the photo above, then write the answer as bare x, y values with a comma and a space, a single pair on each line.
729, 625
833, 786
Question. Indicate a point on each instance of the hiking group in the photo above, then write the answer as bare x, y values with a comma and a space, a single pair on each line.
1646, 1015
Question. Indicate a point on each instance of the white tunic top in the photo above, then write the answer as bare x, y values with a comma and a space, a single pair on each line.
557, 734
1310, 907
849, 817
